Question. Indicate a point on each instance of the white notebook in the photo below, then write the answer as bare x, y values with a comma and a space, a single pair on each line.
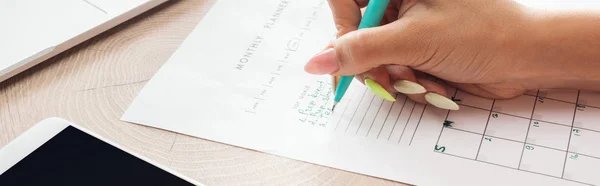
242, 83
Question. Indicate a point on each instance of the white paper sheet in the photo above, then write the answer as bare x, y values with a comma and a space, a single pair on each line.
239, 79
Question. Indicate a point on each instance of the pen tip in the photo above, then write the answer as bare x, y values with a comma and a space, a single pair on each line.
332, 108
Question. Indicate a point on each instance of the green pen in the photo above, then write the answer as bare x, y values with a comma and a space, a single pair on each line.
372, 18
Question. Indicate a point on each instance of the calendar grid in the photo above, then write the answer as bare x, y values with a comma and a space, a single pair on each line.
535, 120
576, 101
591, 106
554, 99
528, 128
589, 156
441, 130
515, 169
549, 136
512, 141
484, 129
445, 119
548, 122
569, 143
499, 112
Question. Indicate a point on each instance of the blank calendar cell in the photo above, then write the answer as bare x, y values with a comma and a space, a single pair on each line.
459, 143
464, 98
582, 168
508, 127
562, 95
549, 135
585, 142
543, 160
554, 111
589, 98
520, 106
469, 119
499, 151
587, 118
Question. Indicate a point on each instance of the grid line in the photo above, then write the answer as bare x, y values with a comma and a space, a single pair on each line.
570, 135
485, 129
528, 127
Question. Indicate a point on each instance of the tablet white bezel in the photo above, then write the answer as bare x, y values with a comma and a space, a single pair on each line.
45, 130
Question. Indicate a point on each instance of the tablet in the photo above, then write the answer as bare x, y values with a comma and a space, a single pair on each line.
58, 152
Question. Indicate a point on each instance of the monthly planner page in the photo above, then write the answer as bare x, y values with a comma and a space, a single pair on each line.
243, 83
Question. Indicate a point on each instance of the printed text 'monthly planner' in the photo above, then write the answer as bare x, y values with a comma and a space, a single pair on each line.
239, 79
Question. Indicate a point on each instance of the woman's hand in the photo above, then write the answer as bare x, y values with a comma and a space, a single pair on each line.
490, 48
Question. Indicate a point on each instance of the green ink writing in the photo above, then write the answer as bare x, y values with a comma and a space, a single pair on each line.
488, 139
536, 124
313, 105
576, 132
574, 156
440, 148
529, 147
495, 115
448, 123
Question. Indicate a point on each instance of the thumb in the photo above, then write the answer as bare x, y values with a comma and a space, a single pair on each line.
359, 51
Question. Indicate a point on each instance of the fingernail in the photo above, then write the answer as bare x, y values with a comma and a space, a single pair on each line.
441, 101
322, 63
409, 87
378, 90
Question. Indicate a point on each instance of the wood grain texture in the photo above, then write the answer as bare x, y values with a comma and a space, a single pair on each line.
93, 83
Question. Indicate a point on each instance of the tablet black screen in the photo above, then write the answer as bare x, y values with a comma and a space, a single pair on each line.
75, 158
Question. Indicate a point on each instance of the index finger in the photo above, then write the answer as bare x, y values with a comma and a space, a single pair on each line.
346, 14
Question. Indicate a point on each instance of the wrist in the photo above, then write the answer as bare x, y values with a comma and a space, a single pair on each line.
562, 51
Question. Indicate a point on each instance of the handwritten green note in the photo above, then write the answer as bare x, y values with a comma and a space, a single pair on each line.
314, 104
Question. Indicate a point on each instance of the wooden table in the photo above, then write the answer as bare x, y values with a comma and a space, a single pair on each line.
93, 83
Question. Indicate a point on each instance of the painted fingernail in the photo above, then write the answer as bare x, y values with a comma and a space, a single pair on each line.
409, 87
322, 63
378, 90
441, 101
